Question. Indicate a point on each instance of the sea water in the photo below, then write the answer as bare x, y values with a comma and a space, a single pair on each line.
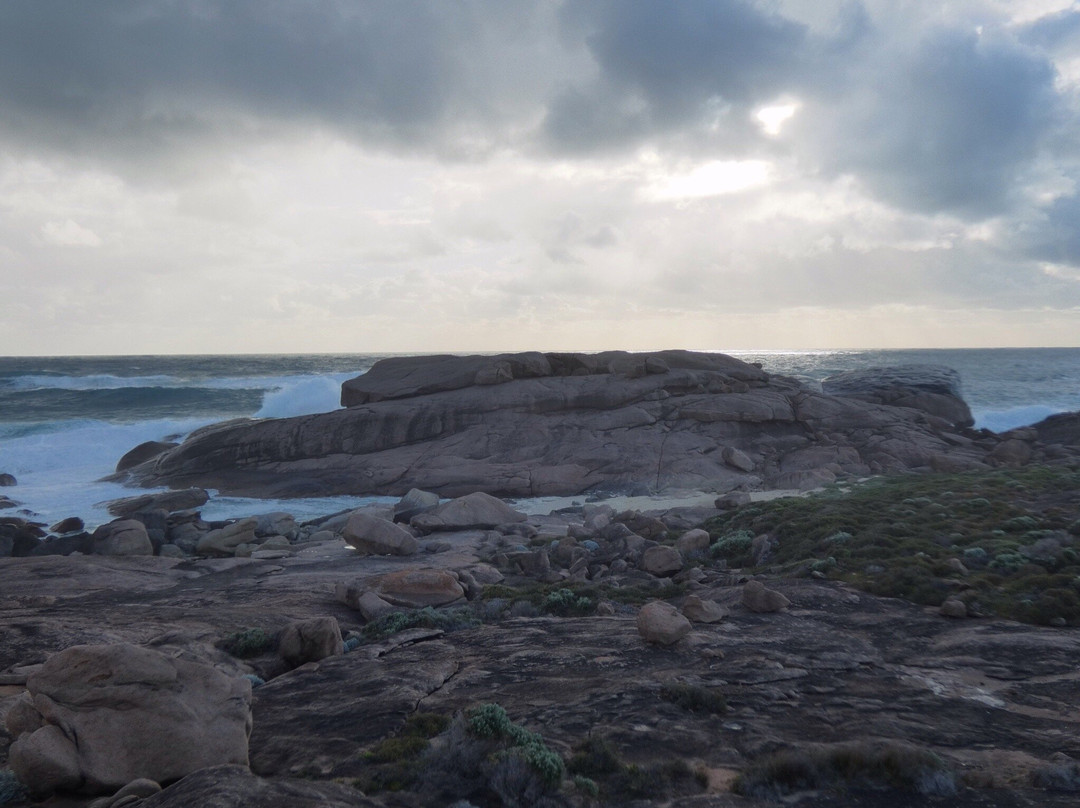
65, 421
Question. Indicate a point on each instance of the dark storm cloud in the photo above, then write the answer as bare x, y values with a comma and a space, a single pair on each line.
1054, 235
81, 75
930, 120
665, 65
948, 124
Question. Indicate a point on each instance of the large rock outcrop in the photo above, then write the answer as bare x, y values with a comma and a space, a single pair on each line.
96, 717
538, 424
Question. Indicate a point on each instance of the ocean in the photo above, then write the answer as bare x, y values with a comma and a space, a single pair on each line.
65, 421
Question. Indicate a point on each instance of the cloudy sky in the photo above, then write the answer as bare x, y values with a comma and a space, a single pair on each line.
192, 176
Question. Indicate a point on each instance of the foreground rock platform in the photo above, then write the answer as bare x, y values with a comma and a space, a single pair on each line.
537, 424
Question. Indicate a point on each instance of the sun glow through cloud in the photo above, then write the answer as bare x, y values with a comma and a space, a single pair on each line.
715, 178
773, 118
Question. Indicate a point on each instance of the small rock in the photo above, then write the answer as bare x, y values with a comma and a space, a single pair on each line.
418, 588
414, 503
124, 537
73, 524
277, 523
224, 541
954, 607
699, 610
661, 561
660, 622
737, 459
370, 534
7, 480
310, 640
474, 511
694, 541
757, 598
731, 500
956, 565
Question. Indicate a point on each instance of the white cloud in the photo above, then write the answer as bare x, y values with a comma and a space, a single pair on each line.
69, 234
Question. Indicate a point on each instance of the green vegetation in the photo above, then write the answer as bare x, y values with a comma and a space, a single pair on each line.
694, 698
846, 765
394, 763
596, 760
248, 642
572, 598
491, 721
11, 790
1014, 530
564, 603
445, 619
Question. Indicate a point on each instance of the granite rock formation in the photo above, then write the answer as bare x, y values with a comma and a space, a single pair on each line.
538, 424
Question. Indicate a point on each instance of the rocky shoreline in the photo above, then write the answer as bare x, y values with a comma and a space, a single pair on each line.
463, 652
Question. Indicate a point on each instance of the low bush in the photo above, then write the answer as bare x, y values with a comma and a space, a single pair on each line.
248, 642
564, 603
734, 548
844, 765
11, 790
597, 760
695, 698
444, 619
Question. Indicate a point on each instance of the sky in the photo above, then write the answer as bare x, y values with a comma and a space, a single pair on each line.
250, 176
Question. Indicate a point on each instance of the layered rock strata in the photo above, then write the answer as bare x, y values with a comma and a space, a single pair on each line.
538, 424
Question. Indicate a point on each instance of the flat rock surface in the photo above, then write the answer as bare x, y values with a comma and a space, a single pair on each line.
992, 697
562, 424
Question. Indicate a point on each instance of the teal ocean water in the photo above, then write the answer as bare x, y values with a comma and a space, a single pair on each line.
65, 421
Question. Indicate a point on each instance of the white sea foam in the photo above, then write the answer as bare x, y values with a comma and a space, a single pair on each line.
1004, 420
303, 395
101, 381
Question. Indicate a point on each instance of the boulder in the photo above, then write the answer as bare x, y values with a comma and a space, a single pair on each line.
225, 540
66, 545
661, 561
276, 523
124, 537
111, 714
143, 452
168, 501
934, 389
731, 500
73, 524
1012, 452
700, 610
18, 537
7, 480
660, 623
953, 607
737, 459
757, 598
416, 588
414, 503
471, 512
369, 534
694, 541
310, 640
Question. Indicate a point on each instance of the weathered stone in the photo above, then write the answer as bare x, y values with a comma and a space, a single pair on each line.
737, 459
646, 526
277, 523
659, 622
417, 588
130, 794
1012, 452
370, 534
733, 499
143, 452
225, 540
954, 607
310, 640
693, 541
757, 598
168, 501
73, 524
931, 388
470, 512
662, 561
112, 714
700, 610
7, 480
124, 537
414, 503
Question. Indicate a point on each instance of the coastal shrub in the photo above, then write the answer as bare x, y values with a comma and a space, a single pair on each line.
975, 557
565, 603
11, 790
616, 782
734, 548
394, 763
845, 765
586, 786
695, 698
248, 642
444, 619
839, 537
484, 756
1007, 562
1063, 776
1019, 524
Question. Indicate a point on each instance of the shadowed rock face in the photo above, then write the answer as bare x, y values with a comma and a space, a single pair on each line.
931, 388
560, 424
